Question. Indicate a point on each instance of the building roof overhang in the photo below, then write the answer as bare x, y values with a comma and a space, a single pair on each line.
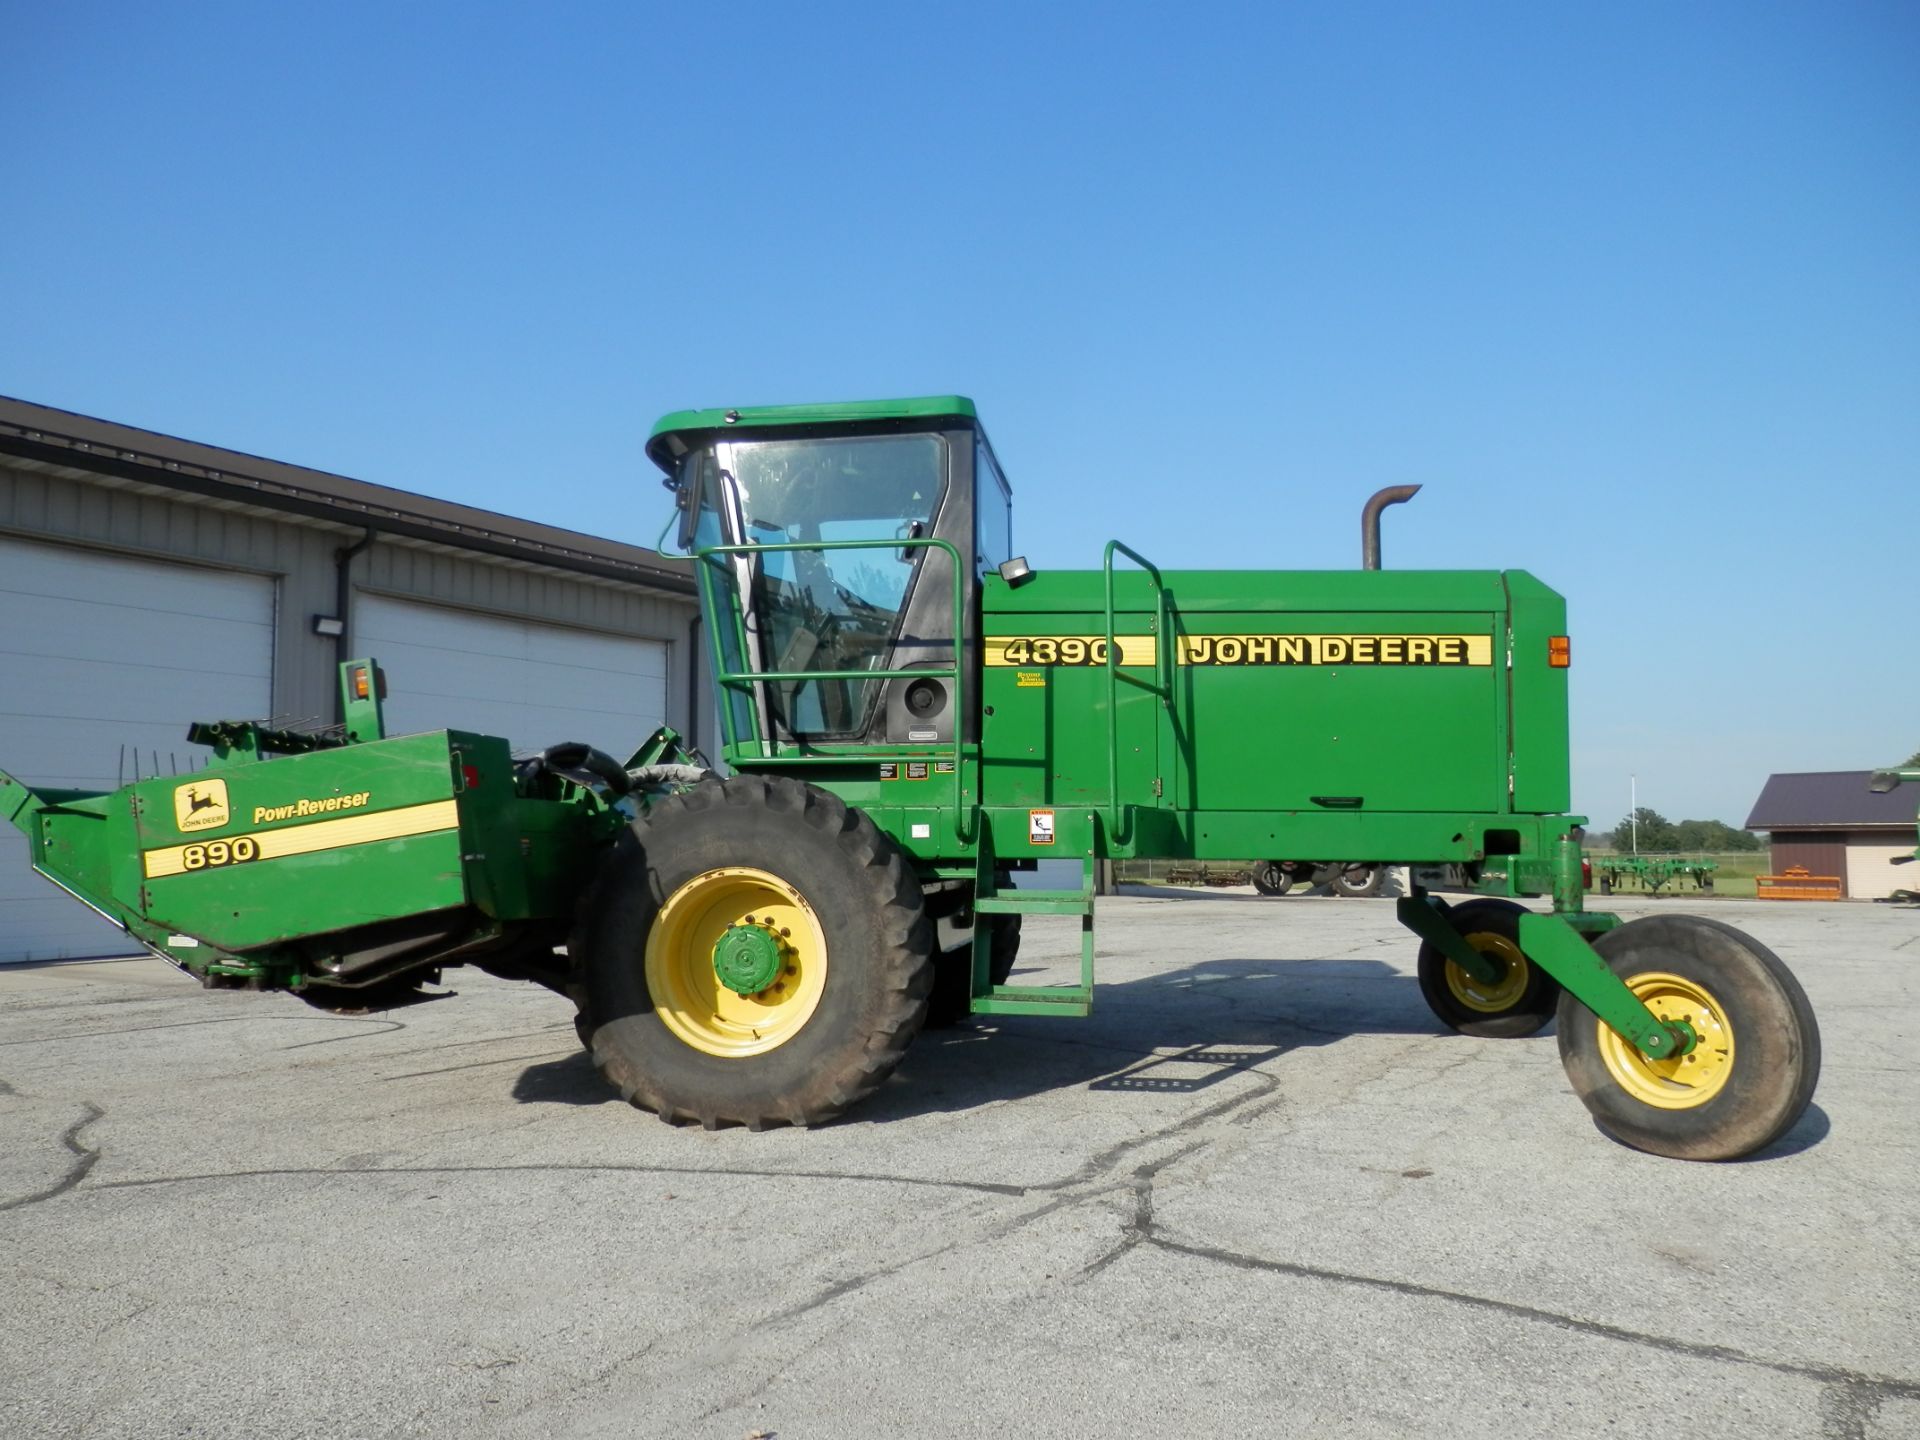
72, 442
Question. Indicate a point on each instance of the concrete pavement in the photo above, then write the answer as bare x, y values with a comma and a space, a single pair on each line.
1258, 1192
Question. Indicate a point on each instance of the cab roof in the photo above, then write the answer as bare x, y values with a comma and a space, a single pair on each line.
664, 446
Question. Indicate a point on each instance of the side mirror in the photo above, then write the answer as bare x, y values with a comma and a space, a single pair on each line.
685, 538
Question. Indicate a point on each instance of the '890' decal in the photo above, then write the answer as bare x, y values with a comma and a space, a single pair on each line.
236, 851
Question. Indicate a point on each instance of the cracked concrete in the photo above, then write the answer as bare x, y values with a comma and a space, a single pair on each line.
1257, 1192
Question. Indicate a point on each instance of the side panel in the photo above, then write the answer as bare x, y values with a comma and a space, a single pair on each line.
1044, 715
252, 854
1369, 711
1372, 715
1541, 782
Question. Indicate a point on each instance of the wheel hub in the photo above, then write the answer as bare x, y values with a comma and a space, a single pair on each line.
1689, 1075
1496, 997
736, 961
747, 959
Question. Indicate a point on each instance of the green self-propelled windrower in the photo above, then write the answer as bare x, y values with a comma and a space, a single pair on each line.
912, 716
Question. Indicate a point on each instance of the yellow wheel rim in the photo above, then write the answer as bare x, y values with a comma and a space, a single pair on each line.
1504, 993
1684, 1081
689, 994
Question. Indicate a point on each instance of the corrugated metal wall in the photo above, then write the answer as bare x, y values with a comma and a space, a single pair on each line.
41, 502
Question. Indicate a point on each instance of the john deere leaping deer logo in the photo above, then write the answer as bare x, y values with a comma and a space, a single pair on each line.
200, 806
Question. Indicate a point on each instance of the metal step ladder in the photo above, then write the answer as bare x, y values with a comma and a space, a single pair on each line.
989, 899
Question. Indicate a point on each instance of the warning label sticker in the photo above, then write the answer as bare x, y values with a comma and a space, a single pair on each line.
1040, 827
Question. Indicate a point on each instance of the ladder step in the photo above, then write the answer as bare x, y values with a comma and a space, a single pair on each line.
1034, 902
1035, 1000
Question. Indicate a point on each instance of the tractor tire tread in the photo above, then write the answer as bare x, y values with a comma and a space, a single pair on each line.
1532, 1010
1776, 1041
857, 1062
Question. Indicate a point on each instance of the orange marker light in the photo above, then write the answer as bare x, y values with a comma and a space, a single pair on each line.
360, 683
1559, 652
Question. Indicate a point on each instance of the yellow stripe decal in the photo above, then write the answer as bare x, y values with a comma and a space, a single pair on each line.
1027, 652
303, 839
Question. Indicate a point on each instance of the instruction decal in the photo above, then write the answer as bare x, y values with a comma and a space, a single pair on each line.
1040, 827
914, 769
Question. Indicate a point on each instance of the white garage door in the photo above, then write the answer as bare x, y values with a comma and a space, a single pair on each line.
537, 685
107, 661
1872, 873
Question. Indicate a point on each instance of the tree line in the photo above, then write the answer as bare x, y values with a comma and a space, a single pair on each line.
1658, 835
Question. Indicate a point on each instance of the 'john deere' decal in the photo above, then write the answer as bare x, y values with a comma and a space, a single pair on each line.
200, 806
1336, 650
1026, 651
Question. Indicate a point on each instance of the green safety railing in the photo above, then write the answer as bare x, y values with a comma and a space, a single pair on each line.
1119, 828
743, 681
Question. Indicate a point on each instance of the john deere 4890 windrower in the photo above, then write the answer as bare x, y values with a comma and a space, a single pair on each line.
912, 716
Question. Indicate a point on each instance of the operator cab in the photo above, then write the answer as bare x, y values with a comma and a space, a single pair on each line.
824, 541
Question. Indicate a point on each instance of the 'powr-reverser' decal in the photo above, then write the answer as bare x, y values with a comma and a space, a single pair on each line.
301, 839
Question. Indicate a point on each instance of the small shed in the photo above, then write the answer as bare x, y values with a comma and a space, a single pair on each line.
1829, 822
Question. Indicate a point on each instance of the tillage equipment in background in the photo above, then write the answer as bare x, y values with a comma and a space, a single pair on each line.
912, 717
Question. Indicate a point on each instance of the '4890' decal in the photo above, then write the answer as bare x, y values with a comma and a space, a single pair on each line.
1067, 649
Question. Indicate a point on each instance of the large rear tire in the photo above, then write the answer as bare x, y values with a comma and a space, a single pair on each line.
1270, 879
1748, 1080
1356, 882
1520, 1003
753, 953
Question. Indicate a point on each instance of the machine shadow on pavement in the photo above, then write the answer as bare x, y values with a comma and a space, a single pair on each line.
1176, 1031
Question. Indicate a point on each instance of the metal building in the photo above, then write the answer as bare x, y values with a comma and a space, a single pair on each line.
147, 582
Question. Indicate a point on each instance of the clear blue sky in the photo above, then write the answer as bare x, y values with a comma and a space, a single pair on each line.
1633, 290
